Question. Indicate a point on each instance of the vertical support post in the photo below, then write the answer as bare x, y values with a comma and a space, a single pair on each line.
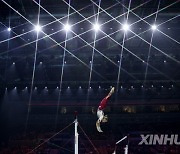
76, 134
126, 150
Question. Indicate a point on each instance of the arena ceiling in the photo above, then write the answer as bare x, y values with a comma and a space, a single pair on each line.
136, 46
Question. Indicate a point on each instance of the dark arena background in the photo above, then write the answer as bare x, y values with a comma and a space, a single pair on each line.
60, 58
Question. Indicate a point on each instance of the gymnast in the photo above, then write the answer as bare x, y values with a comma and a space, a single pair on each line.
100, 113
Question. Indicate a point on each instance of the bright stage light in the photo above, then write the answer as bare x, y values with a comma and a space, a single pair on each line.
9, 29
153, 27
96, 27
126, 27
67, 27
37, 28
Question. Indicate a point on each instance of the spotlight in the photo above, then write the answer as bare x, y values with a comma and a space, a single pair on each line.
9, 29
153, 27
80, 87
13, 63
37, 28
126, 27
67, 27
99, 87
96, 27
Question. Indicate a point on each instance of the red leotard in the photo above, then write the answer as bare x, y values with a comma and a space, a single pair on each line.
103, 104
